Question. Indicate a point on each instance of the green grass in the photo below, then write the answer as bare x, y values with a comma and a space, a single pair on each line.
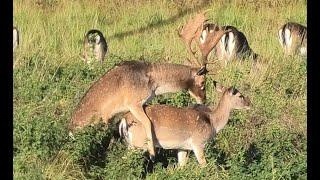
267, 142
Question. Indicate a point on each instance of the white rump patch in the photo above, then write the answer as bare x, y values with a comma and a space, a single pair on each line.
222, 45
203, 36
280, 38
231, 45
287, 36
123, 128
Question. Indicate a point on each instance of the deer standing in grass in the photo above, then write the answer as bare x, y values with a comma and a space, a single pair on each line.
94, 43
232, 45
293, 38
226, 41
130, 85
184, 129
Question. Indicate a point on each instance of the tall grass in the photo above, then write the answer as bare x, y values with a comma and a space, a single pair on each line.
267, 142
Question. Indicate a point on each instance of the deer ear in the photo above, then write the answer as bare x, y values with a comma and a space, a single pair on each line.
203, 70
218, 86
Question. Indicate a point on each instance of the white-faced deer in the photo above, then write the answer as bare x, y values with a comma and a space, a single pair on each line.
95, 46
293, 38
129, 86
184, 129
15, 37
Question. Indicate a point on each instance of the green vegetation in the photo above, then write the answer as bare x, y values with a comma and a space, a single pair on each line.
267, 142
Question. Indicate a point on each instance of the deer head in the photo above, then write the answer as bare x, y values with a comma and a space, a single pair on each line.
232, 97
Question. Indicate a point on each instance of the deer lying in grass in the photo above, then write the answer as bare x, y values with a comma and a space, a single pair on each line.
94, 43
293, 38
129, 86
184, 128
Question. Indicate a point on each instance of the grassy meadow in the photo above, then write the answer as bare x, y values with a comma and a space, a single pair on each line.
49, 78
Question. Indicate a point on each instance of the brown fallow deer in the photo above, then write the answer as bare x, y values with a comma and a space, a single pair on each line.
130, 85
293, 38
186, 128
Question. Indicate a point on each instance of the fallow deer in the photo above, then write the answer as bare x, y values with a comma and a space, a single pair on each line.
138, 83
95, 46
129, 86
184, 129
293, 37
233, 44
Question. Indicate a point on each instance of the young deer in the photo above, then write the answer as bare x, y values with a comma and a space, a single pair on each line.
95, 43
184, 128
293, 38
232, 44
129, 86
15, 37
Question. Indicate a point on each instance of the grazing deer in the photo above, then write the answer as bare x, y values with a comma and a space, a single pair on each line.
184, 128
129, 86
15, 37
293, 37
194, 30
233, 45
94, 43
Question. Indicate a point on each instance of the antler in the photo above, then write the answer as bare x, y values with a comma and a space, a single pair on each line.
191, 30
210, 37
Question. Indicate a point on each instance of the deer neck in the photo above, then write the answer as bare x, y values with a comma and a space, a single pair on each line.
220, 116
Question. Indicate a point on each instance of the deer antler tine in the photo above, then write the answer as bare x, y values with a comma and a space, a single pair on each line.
190, 31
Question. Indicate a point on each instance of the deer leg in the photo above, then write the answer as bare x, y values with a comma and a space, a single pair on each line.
182, 157
199, 153
139, 113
